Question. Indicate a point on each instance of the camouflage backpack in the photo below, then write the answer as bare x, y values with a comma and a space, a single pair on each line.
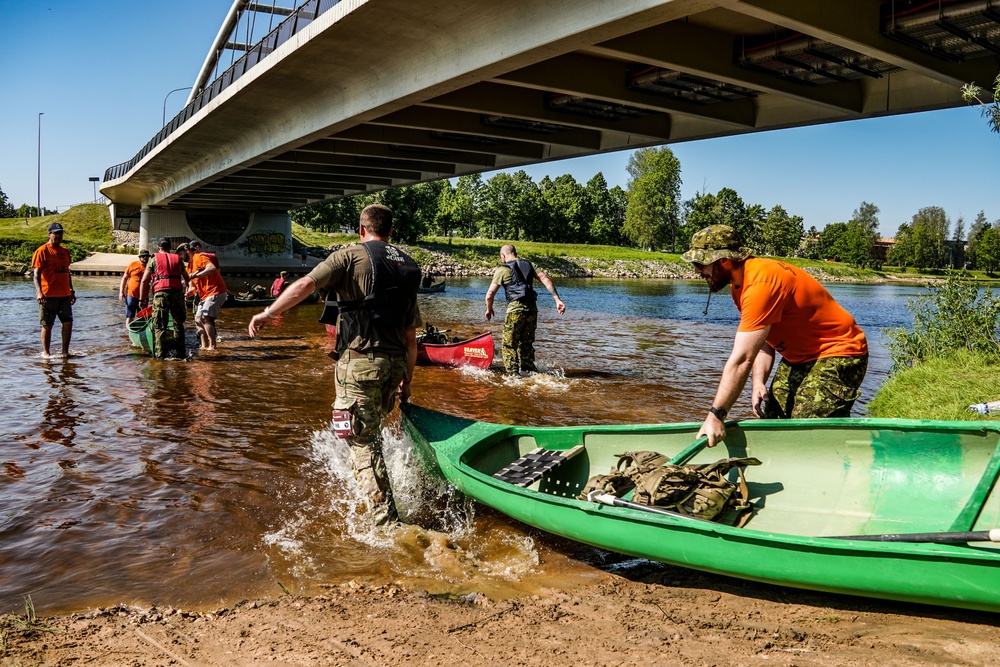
630, 468
701, 491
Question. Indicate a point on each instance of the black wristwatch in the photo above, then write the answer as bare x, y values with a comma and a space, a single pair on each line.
719, 412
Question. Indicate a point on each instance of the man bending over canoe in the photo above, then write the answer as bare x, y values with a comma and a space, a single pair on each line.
824, 353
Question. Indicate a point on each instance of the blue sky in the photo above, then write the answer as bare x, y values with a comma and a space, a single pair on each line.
99, 71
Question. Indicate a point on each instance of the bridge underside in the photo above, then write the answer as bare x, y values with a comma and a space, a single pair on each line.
381, 93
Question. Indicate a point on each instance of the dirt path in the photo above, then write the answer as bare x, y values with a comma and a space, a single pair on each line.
656, 615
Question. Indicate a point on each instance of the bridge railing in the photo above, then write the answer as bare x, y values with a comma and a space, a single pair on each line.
291, 25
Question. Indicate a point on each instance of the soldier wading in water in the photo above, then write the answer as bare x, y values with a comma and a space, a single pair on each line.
372, 300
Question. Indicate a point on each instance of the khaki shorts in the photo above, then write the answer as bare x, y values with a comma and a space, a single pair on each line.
210, 306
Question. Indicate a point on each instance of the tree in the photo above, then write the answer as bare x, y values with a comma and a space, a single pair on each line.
930, 229
511, 207
652, 215
830, 240
958, 245
724, 208
6, 208
975, 231
469, 197
857, 240
567, 211
608, 208
780, 233
988, 251
973, 94
455, 211
901, 252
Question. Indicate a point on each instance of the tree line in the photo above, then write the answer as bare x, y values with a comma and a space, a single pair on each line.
650, 214
7, 209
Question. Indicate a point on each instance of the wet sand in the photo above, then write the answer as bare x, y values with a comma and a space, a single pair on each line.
649, 614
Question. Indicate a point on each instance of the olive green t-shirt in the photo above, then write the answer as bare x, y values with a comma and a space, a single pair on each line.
348, 274
503, 277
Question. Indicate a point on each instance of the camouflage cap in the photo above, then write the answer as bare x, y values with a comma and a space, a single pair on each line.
716, 242
183, 246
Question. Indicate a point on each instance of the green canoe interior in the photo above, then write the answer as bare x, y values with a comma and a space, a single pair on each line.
817, 478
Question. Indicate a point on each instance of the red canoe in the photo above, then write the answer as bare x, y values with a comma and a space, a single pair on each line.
477, 351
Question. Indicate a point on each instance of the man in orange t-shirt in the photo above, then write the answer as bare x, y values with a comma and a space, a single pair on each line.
54, 288
210, 288
128, 289
824, 353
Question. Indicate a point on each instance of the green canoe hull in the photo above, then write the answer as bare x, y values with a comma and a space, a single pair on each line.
819, 478
140, 334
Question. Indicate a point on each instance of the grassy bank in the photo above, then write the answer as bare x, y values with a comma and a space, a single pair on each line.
940, 388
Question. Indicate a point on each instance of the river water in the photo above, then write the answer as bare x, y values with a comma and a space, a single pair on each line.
126, 480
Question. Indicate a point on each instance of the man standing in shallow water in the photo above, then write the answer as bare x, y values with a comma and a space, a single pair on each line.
517, 277
54, 288
824, 353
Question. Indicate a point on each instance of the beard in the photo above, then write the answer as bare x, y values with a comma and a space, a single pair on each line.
718, 279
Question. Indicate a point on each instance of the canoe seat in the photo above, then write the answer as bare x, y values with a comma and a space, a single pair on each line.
529, 468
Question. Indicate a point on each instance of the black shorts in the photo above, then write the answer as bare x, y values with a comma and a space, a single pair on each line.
58, 306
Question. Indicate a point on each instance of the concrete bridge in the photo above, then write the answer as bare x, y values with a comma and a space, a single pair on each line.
355, 96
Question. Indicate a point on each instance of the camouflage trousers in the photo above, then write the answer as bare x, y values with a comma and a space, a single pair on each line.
366, 385
518, 347
826, 387
169, 313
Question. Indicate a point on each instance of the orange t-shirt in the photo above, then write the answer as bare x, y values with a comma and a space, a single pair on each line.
54, 264
207, 285
133, 273
806, 323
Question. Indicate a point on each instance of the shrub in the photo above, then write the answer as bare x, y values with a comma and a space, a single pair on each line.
955, 315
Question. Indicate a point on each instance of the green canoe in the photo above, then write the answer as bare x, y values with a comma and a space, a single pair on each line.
819, 479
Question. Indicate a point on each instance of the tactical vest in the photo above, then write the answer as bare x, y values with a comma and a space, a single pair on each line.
520, 287
168, 272
395, 278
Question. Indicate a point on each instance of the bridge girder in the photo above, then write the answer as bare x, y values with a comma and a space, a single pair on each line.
460, 88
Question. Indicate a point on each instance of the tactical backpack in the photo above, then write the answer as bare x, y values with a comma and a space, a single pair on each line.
701, 491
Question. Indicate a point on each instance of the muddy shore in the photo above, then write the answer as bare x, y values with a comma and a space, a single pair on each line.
647, 614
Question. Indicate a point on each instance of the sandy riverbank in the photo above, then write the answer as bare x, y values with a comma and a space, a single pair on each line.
651, 614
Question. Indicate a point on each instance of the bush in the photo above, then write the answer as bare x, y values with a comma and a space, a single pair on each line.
955, 316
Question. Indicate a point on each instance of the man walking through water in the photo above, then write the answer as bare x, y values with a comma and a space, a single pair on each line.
373, 287
824, 353
517, 277
166, 278
209, 287
54, 288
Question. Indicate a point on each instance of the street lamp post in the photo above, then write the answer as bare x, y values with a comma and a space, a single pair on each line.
39, 201
164, 119
94, 180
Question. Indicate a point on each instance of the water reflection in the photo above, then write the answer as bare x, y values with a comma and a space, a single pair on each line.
62, 411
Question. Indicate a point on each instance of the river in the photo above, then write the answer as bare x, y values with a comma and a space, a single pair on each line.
127, 480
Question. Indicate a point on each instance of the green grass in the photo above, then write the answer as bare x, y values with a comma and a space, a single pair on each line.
940, 388
88, 229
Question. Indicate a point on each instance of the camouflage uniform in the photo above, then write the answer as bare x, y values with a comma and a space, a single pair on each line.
519, 326
366, 386
519, 340
169, 313
826, 387
372, 362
